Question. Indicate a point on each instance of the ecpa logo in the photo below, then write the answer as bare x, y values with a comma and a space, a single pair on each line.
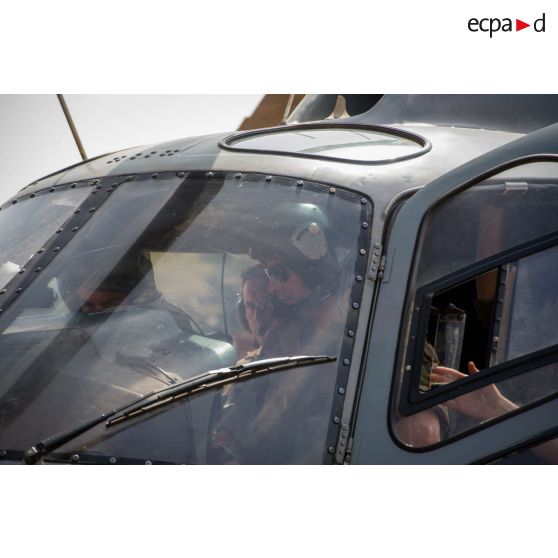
494, 24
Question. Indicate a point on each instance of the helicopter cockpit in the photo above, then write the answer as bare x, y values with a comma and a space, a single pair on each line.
144, 292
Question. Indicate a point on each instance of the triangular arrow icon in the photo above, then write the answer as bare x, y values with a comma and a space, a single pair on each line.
519, 25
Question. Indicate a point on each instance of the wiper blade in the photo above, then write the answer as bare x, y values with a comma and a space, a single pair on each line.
213, 379
165, 396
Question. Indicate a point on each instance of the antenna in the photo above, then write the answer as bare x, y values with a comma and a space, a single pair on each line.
72, 126
287, 109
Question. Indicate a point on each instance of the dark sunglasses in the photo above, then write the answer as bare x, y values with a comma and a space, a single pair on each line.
279, 271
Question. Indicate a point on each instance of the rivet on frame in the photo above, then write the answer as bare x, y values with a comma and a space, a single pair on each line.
209, 174
363, 201
332, 190
92, 209
365, 225
408, 368
268, 178
356, 305
14, 202
59, 231
180, 174
359, 278
351, 333
362, 252
38, 270
154, 175
112, 460
346, 362
77, 211
41, 251
19, 290
300, 182
336, 420
21, 271
331, 449
238, 175
3, 291
341, 391
51, 189
32, 195
57, 249
75, 229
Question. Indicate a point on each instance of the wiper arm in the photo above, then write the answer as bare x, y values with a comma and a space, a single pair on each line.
213, 379
165, 396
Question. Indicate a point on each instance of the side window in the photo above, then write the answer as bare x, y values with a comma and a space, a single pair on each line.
483, 321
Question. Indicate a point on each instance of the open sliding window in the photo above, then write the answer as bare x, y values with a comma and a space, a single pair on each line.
481, 335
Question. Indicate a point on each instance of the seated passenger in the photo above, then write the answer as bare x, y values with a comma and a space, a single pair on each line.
486, 403
238, 404
255, 311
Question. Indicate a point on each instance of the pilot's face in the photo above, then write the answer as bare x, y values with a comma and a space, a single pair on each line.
98, 300
258, 308
285, 283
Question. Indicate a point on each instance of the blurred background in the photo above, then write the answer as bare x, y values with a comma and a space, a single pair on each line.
36, 139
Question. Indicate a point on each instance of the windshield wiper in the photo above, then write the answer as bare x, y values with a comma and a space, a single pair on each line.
157, 399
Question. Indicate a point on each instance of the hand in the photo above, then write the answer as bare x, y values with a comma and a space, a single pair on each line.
484, 403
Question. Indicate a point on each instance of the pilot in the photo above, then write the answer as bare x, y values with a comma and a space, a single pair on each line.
303, 280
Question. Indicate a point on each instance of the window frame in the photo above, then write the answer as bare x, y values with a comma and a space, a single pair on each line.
424, 144
411, 401
416, 400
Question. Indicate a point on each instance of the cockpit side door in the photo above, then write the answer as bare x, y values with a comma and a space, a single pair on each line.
471, 275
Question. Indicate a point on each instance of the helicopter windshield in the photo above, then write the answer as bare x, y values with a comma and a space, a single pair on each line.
27, 225
174, 276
